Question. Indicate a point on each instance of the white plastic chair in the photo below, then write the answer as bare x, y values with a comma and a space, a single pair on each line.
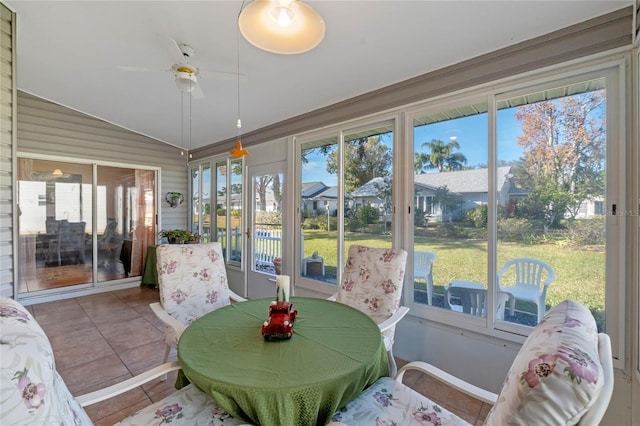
372, 282
526, 279
567, 379
193, 281
423, 270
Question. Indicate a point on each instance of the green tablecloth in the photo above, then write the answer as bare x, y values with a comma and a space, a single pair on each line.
336, 351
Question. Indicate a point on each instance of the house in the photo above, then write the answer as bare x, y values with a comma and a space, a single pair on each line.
471, 185
328, 199
35, 128
372, 194
310, 204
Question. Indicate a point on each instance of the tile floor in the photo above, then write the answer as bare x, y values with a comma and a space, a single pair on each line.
103, 339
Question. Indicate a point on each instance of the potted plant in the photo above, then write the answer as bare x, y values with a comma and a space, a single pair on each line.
180, 236
277, 265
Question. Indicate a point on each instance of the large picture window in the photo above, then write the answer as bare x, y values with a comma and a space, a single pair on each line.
219, 219
345, 197
522, 198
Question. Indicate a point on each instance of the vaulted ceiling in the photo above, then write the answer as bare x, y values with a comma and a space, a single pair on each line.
112, 59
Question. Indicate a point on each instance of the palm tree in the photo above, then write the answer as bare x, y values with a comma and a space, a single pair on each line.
441, 157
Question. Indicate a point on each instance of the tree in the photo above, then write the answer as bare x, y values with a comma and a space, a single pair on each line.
365, 158
547, 202
564, 152
262, 184
277, 192
448, 200
441, 156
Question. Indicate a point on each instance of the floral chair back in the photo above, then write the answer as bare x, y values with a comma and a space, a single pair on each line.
372, 282
32, 390
192, 280
556, 376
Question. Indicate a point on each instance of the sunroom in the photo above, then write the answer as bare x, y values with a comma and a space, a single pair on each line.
528, 152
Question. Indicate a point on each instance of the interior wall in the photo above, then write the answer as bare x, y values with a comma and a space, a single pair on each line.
8, 261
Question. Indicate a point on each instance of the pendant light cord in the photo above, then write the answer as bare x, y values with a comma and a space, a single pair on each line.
182, 122
239, 122
190, 103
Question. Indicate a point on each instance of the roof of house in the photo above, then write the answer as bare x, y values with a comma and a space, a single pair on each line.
311, 189
330, 193
475, 180
369, 189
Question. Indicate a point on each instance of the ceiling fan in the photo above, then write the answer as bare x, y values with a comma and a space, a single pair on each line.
185, 74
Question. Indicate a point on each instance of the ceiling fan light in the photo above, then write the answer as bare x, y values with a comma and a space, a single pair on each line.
262, 24
186, 81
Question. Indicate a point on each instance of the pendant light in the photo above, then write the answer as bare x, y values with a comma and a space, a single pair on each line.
238, 151
286, 27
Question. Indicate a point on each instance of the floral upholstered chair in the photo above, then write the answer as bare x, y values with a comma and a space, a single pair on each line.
33, 393
193, 281
372, 282
562, 375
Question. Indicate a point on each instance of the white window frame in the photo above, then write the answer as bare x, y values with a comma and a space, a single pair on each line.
339, 131
212, 162
615, 307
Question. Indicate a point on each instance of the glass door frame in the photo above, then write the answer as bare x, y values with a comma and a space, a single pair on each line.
94, 285
257, 283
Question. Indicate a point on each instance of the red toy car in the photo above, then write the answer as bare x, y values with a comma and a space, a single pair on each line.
281, 318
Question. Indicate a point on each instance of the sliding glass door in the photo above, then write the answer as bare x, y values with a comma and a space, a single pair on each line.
75, 229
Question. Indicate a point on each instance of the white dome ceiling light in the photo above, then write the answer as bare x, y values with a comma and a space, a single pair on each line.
285, 27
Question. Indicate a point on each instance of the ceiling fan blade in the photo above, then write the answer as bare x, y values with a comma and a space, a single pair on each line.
177, 53
133, 68
197, 92
220, 75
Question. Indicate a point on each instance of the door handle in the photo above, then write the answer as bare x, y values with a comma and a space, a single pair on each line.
248, 233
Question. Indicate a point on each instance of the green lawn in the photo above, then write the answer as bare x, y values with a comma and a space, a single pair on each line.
579, 273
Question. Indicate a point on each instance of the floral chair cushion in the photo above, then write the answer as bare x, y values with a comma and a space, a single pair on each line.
556, 376
192, 280
188, 406
389, 402
31, 390
372, 282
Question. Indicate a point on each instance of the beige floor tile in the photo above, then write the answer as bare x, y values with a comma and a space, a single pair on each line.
118, 404
55, 329
81, 378
133, 333
145, 357
83, 353
56, 312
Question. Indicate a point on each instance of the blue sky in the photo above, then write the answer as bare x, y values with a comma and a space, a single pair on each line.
470, 132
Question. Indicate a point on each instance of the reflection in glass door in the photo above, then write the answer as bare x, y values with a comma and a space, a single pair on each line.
125, 221
54, 224
58, 238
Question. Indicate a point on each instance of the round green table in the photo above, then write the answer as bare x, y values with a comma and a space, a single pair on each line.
336, 351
